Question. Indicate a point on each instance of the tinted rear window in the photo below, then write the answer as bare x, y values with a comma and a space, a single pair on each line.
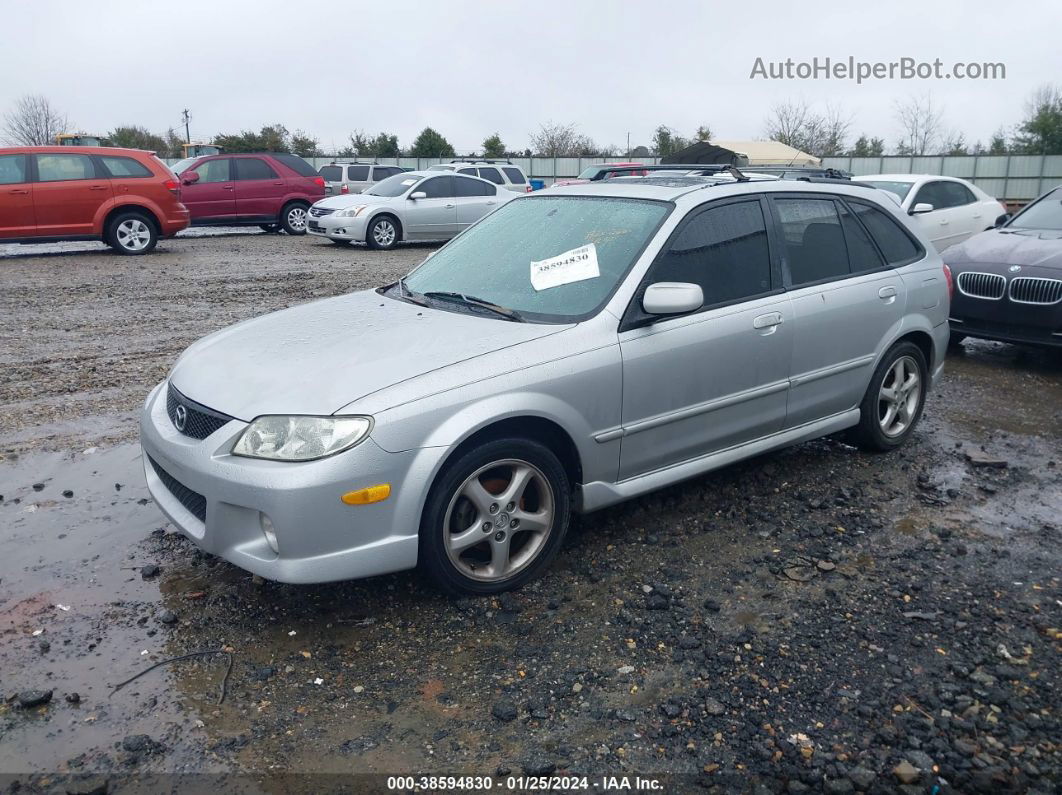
473, 187
296, 164
358, 173
331, 173
253, 168
814, 241
125, 167
492, 174
897, 246
514, 176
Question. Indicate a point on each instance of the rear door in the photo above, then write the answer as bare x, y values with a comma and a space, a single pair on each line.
945, 224
213, 197
68, 194
128, 175
16, 197
260, 190
715, 378
845, 301
434, 217
475, 198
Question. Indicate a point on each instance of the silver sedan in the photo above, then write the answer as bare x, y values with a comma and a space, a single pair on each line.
414, 205
572, 350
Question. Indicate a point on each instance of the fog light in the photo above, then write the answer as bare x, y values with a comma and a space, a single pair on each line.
368, 496
269, 533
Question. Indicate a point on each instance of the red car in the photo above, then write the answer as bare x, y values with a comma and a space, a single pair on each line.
602, 171
270, 190
125, 197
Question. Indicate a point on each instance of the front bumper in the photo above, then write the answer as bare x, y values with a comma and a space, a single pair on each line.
340, 228
319, 538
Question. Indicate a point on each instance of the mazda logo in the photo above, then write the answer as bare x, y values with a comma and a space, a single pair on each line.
180, 417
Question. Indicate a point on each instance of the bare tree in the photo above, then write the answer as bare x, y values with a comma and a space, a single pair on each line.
922, 124
562, 140
795, 123
33, 122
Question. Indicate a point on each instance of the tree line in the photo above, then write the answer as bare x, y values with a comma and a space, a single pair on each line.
825, 131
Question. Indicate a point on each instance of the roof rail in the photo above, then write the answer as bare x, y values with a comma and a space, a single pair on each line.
479, 160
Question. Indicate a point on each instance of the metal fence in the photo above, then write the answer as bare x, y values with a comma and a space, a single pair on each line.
1010, 178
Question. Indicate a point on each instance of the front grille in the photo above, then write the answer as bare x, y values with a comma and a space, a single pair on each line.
1030, 290
990, 286
317, 212
193, 501
199, 421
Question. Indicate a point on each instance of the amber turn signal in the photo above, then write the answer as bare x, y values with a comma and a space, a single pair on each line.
368, 496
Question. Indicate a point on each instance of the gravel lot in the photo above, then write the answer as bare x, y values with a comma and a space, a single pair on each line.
818, 619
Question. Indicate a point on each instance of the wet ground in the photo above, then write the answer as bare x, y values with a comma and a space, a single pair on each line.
815, 619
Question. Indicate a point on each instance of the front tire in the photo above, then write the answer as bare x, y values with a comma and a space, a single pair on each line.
293, 218
495, 517
893, 403
132, 233
383, 233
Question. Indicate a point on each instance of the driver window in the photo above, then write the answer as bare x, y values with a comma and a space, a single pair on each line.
214, 170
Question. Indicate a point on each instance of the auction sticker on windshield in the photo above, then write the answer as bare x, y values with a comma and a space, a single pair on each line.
576, 265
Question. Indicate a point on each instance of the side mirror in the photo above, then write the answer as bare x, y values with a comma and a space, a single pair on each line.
1001, 220
190, 177
418, 194
921, 207
672, 298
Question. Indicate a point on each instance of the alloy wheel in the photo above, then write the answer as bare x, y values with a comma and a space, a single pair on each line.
899, 396
297, 218
384, 233
133, 234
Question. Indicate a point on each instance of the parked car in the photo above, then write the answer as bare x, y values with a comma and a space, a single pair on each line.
413, 205
342, 178
126, 198
501, 172
271, 190
1009, 279
572, 350
601, 171
947, 209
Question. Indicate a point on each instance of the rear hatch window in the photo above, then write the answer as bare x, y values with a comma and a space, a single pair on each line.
331, 173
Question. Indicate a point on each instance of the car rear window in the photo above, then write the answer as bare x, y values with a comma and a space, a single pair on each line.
493, 175
514, 176
895, 243
12, 169
331, 173
296, 164
253, 168
358, 173
473, 187
125, 166
814, 241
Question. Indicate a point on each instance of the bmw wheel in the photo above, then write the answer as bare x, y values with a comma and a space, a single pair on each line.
383, 233
132, 233
894, 400
293, 218
495, 517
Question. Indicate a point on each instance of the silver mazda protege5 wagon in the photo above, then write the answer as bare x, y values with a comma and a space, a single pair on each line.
569, 351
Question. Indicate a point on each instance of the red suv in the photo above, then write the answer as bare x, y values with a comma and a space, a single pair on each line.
125, 197
269, 190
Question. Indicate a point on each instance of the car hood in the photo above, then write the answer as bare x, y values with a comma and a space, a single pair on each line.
1035, 248
345, 200
319, 357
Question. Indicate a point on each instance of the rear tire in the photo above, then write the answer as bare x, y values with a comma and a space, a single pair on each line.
383, 233
132, 233
495, 517
893, 403
293, 218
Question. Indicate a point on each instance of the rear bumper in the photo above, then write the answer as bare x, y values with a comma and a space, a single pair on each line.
175, 222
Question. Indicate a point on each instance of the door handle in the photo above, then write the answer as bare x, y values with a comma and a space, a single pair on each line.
278, 183
770, 320
228, 187
887, 292
492, 202
943, 221
19, 192
448, 206
97, 187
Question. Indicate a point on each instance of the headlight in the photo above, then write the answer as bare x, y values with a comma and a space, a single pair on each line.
280, 438
350, 212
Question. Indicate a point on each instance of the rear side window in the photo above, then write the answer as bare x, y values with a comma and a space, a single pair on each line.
55, 168
296, 164
814, 241
897, 246
253, 168
358, 173
437, 187
724, 250
473, 187
125, 167
862, 256
957, 194
493, 175
331, 173
383, 172
469, 171
214, 170
12, 169
514, 176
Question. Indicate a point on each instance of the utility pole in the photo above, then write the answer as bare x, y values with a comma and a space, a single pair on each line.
628, 146
187, 134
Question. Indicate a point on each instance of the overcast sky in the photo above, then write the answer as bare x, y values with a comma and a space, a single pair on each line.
472, 68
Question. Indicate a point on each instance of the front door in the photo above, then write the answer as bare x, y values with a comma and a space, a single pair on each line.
16, 198
945, 224
259, 189
475, 198
68, 194
435, 216
712, 379
845, 301
213, 196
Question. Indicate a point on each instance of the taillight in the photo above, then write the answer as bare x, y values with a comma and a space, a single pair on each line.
950, 281
528, 189
345, 188
173, 186
318, 181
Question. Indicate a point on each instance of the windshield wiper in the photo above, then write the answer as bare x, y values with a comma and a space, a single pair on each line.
407, 294
471, 300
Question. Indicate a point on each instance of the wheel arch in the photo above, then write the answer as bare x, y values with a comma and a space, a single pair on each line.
118, 209
390, 214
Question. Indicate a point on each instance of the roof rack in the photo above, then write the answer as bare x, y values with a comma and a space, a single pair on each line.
479, 160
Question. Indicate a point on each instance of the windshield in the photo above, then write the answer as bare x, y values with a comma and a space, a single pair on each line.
394, 186
181, 166
553, 259
441, 167
589, 173
898, 189
1043, 214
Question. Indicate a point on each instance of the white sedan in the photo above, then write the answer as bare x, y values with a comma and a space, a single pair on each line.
946, 209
